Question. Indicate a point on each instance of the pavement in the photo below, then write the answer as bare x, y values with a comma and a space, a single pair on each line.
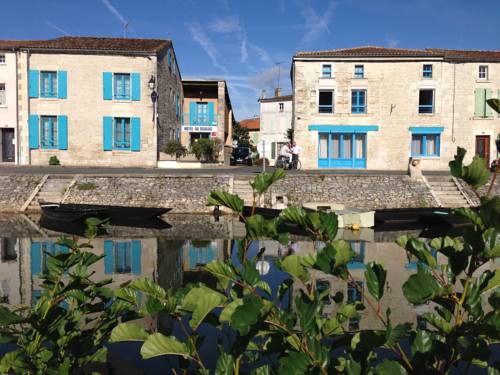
206, 170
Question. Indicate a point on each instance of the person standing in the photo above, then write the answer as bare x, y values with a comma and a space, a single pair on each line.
296, 150
285, 151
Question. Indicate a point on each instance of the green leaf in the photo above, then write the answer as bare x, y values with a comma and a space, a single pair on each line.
456, 165
423, 342
490, 211
262, 370
296, 363
250, 274
368, 340
329, 225
417, 248
200, 301
223, 271
296, 215
331, 326
375, 275
390, 368
225, 364
128, 332
422, 287
475, 174
495, 104
491, 239
395, 334
158, 344
225, 199
7, 317
292, 265
262, 285
264, 180
12, 362
249, 313
477, 287
228, 311
257, 227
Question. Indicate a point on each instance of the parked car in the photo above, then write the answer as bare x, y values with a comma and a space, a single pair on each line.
241, 155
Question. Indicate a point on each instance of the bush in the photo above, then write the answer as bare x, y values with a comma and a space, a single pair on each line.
204, 149
175, 148
53, 160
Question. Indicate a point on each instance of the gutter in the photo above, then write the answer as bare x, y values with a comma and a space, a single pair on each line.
95, 51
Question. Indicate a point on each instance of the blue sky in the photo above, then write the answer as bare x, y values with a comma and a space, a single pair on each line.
242, 40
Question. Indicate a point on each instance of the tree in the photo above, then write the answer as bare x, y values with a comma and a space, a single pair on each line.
241, 135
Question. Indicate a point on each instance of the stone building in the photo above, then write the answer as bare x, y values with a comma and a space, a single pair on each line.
8, 107
88, 101
207, 113
374, 108
276, 119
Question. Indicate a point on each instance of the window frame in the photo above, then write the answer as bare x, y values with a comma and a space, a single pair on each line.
49, 74
357, 74
122, 145
123, 95
332, 106
4, 95
126, 248
53, 142
422, 107
323, 71
423, 145
281, 107
3, 59
359, 108
427, 71
486, 72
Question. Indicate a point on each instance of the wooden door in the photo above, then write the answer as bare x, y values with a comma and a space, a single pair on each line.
483, 147
7, 145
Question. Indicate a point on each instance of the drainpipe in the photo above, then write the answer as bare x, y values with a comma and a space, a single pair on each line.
28, 156
453, 139
18, 154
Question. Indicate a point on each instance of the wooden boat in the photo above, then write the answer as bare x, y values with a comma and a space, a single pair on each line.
267, 213
403, 215
347, 216
440, 218
79, 212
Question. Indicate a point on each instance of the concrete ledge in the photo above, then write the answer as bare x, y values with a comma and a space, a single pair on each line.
172, 164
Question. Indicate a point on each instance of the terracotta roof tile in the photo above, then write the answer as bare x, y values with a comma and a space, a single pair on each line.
283, 98
91, 44
251, 123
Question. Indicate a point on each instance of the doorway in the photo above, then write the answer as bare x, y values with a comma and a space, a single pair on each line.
483, 147
7, 146
196, 136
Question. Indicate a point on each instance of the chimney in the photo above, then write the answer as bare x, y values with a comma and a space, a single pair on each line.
277, 91
263, 94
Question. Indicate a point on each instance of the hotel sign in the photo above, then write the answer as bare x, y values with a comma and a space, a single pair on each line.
207, 129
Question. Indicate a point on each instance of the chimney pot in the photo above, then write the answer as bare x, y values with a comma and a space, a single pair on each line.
263, 94
277, 91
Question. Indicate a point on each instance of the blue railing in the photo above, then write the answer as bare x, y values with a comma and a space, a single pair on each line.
197, 119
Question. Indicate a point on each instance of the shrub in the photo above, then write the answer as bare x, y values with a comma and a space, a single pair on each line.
204, 149
175, 148
53, 160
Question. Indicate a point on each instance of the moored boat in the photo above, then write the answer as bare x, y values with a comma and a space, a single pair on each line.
347, 216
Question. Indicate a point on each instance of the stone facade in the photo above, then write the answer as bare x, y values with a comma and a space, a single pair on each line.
8, 104
15, 190
392, 87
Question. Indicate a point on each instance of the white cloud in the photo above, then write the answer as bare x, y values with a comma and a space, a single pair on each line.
243, 47
314, 23
225, 25
57, 28
114, 11
262, 53
200, 36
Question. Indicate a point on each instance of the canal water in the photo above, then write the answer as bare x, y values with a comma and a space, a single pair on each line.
175, 255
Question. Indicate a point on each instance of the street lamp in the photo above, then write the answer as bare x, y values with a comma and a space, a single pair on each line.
152, 83
154, 94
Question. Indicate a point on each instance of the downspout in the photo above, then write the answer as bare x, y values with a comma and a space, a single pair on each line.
28, 156
18, 151
453, 105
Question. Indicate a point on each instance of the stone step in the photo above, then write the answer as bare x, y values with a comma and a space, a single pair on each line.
437, 184
445, 188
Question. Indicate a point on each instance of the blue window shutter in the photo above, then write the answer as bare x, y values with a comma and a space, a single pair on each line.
33, 132
107, 85
62, 84
136, 86
192, 113
34, 81
36, 259
136, 257
107, 133
135, 141
62, 132
108, 257
211, 119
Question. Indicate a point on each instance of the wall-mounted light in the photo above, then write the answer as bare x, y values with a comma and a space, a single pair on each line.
201, 95
152, 83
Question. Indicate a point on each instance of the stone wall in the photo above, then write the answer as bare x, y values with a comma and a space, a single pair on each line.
185, 194
370, 192
15, 190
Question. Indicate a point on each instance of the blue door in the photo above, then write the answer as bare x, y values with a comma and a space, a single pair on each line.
341, 150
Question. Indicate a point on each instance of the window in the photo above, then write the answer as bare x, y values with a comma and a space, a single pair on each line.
358, 260
169, 59
325, 101
426, 101
2, 59
2, 94
202, 113
323, 145
483, 72
48, 131
121, 86
354, 291
48, 84
326, 71
427, 71
425, 144
121, 133
122, 260
481, 107
359, 71
282, 107
358, 103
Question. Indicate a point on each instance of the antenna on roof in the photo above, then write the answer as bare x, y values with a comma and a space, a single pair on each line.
125, 27
278, 63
